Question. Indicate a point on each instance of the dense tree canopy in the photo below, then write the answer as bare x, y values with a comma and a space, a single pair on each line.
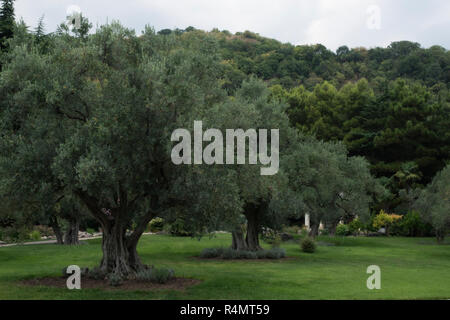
434, 203
6, 22
331, 186
94, 119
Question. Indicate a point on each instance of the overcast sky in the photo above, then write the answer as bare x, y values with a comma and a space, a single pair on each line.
333, 23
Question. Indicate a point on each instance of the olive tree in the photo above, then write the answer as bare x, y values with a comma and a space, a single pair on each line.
329, 184
434, 203
94, 118
258, 193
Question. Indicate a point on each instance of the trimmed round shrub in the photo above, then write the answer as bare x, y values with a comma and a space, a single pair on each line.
308, 245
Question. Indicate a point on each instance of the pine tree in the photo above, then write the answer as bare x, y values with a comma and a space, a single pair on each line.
40, 29
6, 22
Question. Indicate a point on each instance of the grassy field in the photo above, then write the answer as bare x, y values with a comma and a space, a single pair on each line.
411, 268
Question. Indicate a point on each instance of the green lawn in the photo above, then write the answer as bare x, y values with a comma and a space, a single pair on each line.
411, 268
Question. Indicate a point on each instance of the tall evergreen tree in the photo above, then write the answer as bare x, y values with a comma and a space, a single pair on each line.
6, 22
40, 29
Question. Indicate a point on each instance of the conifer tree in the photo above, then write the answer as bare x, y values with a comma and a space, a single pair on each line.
6, 22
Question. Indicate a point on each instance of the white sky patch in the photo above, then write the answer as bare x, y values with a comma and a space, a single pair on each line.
329, 22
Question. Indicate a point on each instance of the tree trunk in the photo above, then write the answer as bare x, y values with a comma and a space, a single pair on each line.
57, 230
238, 242
332, 228
252, 239
439, 237
314, 230
120, 254
116, 254
71, 236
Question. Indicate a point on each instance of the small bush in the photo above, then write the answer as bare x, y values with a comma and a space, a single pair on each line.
115, 280
355, 226
35, 235
156, 275
64, 273
249, 255
156, 225
84, 271
275, 253
386, 220
411, 225
229, 253
209, 253
260, 254
293, 230
342, 230
178, 228
270, 236
96, 274
45, 231
308, 245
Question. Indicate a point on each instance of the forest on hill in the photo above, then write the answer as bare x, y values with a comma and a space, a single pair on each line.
390, 105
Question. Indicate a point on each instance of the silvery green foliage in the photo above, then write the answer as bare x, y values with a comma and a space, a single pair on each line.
152, 274
328, 182
434, 202
251, 109
93, 118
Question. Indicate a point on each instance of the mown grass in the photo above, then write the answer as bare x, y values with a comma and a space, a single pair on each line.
411, 268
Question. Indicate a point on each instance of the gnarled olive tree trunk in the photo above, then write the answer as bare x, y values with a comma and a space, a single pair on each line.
315, 225
253, 228
71, 235
440, 236
120, 254
116, 254
238, 240
56, 230
332, 227
314, 230
250, 242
